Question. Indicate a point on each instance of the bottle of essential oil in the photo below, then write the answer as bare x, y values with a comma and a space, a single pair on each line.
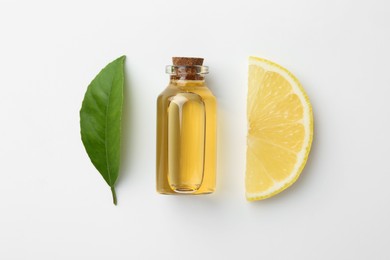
186, 131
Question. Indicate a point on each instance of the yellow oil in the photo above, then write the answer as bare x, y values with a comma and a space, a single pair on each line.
186, 138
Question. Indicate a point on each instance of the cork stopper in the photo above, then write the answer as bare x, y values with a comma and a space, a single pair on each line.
187, 61
187, 68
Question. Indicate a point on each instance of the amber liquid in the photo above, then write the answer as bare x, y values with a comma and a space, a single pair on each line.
186, 138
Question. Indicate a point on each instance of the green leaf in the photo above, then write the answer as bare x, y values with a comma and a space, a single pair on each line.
100, 121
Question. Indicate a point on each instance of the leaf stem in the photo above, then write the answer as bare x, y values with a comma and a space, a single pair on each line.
113, 195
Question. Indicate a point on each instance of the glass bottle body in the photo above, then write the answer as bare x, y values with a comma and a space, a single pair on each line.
186, 138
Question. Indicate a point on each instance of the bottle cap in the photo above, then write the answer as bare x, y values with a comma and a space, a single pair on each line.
187, 61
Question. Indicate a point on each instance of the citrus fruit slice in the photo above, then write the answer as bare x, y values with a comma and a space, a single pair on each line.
280, 129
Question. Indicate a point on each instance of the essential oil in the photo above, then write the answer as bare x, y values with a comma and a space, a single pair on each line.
186, 131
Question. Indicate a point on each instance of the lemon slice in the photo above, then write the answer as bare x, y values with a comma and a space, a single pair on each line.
280, 129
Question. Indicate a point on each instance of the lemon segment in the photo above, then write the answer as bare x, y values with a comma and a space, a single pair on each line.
280, 129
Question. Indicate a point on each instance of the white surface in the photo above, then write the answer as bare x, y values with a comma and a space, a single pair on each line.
53, 203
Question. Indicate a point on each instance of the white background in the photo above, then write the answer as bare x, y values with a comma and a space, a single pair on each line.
55, 205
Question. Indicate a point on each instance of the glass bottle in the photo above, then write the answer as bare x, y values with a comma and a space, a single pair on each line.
186, 131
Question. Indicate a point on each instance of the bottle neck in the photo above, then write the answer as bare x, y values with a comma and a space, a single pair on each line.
187, 73
187, 83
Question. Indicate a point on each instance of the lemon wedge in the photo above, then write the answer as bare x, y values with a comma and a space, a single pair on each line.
280, 129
